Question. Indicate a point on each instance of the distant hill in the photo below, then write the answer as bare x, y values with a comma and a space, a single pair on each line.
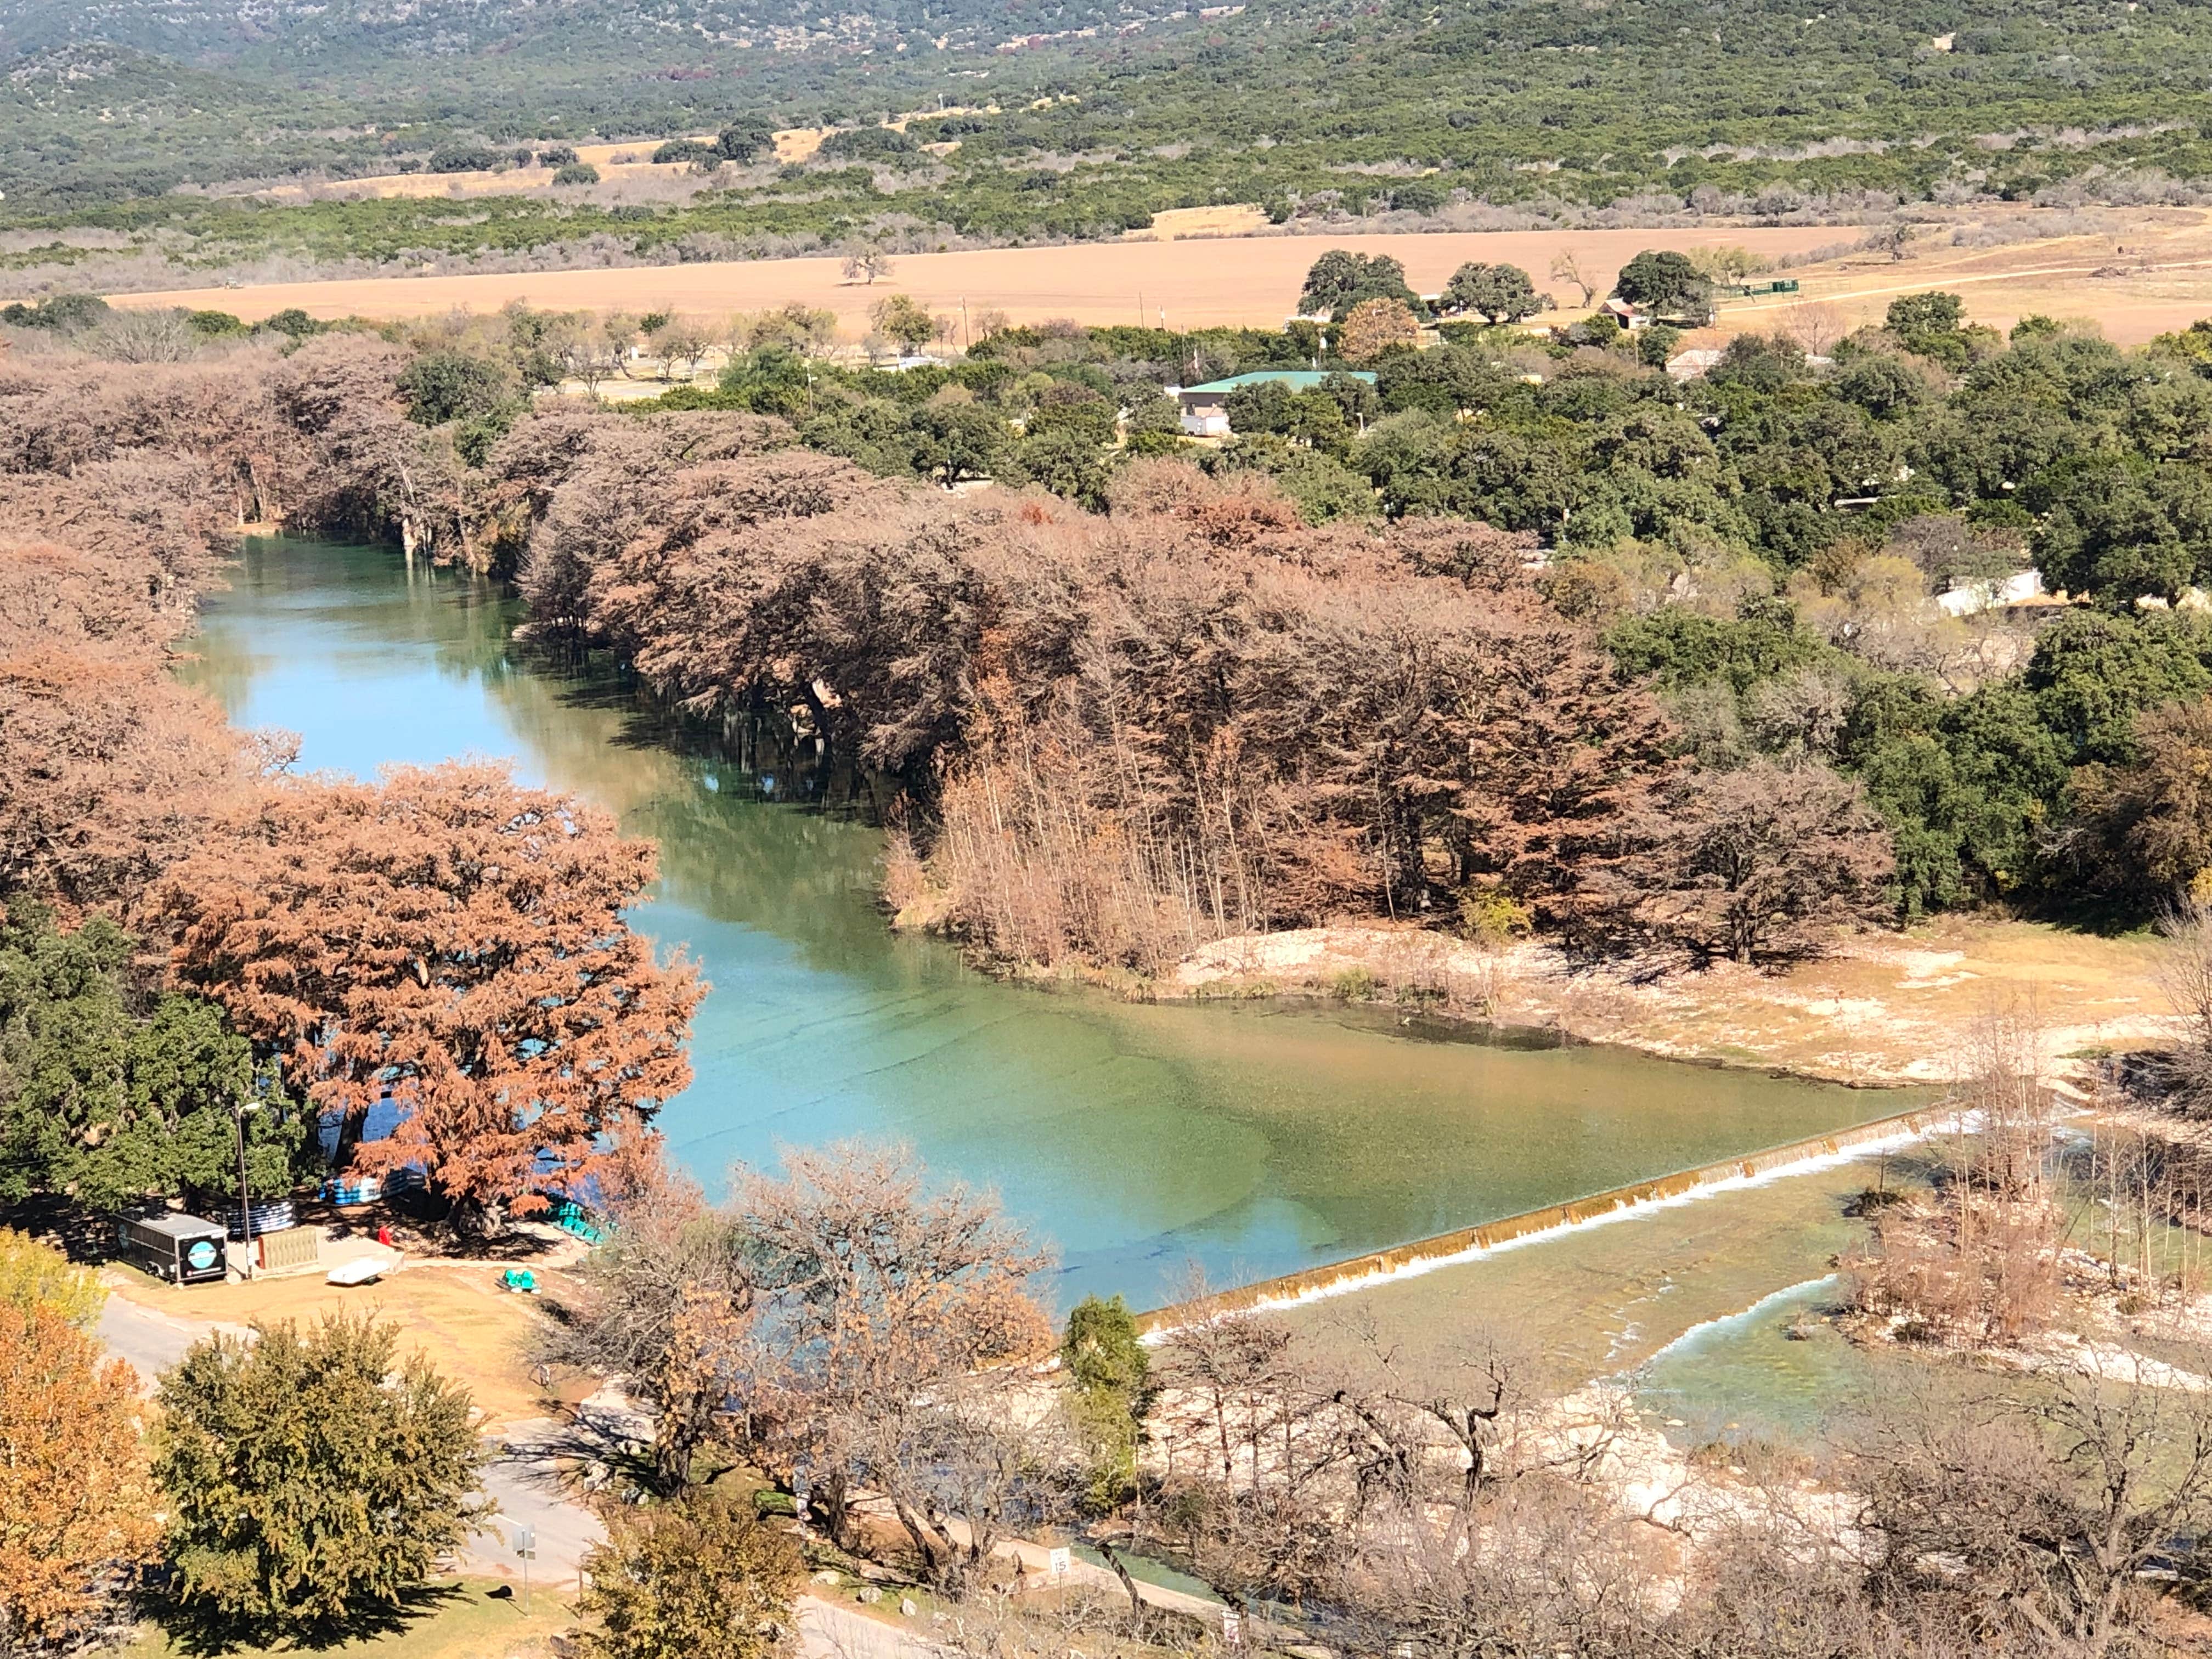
1314, 108
214, 90
428, 42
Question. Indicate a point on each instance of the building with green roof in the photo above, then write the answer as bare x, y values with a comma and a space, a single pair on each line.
1205, 408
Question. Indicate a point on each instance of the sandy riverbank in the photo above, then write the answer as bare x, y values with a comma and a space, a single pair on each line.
1880, 1009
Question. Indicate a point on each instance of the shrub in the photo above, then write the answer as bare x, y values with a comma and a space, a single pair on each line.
1353, 985
33, 1274
867, 144
446, 386
577, 173
694, 1577
741, 141
463, 158
294, 322
65, 314
257, 1439
1490, 915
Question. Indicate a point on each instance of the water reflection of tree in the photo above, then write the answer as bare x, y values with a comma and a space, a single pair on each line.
791, 867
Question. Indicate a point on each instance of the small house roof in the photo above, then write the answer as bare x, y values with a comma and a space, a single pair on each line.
1299, 380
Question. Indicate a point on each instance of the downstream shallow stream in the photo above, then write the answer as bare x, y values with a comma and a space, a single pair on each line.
1141, 1139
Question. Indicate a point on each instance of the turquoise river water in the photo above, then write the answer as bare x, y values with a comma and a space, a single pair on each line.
1141, 1140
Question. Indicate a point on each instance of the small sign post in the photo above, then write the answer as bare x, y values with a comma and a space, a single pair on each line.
525, 1550
1232, 1628
1061, 1563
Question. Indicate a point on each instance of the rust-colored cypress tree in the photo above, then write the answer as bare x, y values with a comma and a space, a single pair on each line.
453, 940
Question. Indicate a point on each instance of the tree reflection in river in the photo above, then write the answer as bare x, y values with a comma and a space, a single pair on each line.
1252, 1140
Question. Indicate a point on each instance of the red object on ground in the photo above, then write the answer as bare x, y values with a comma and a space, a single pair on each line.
384, 1234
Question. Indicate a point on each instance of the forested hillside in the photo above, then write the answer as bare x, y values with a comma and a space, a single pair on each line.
1312, 109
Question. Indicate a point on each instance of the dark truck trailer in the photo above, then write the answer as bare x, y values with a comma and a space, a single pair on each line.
181, 1248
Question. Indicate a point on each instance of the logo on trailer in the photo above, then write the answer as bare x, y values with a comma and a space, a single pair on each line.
201, 1255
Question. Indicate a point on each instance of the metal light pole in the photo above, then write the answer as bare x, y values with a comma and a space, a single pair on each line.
244, 1198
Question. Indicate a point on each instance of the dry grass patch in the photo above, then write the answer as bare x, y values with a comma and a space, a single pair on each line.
458, 1313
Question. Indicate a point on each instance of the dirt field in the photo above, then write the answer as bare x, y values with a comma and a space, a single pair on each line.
2146, 273
2135, 273
1190, 282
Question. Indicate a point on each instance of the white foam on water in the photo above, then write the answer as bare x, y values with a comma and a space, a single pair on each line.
1627, 1210
1738, 1320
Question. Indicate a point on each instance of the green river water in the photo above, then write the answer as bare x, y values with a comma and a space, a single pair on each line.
1141, 1140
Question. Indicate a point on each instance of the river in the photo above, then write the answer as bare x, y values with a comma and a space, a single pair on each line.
1145, 1141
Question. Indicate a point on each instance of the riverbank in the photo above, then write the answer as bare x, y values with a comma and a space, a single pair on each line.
1144, 1137
1880, 1009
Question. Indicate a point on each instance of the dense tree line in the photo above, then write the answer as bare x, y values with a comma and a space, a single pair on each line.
1517, 628
190, 932
1760, 546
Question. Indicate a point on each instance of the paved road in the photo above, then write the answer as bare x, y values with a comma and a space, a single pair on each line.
828, 1631
151, 1341
522, 1481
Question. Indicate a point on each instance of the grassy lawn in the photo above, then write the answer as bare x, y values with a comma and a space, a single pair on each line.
461, 1620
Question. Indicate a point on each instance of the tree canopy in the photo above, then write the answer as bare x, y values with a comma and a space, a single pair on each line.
454, 943
312, 1476
1340, 280
77, 1515
1498, 293
696, 1578
111, 1096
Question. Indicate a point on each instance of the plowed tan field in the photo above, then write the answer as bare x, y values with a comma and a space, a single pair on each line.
1191, 282
2149, 273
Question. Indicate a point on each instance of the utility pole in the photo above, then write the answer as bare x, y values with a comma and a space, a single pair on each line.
244, 1198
